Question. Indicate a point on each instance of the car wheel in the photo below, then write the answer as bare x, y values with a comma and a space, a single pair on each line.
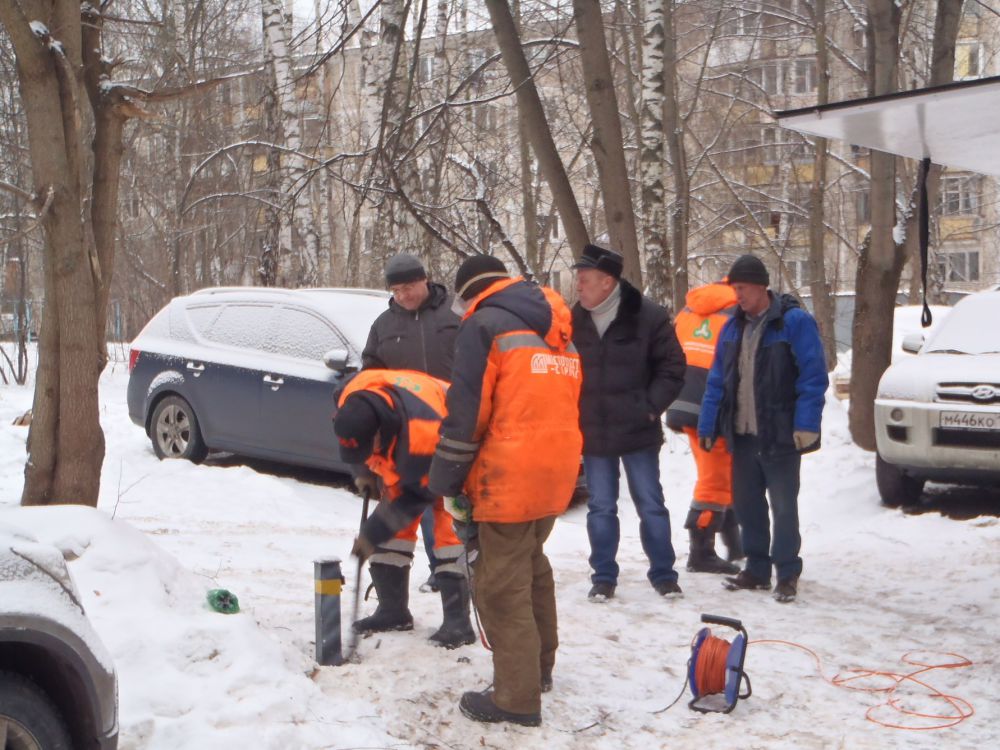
174, 431
28, 719
896, 487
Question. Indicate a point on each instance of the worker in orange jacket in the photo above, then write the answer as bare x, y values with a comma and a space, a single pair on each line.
389, 420
707, 309
511, 444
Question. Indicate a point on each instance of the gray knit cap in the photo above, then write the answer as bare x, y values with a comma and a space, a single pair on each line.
404, 268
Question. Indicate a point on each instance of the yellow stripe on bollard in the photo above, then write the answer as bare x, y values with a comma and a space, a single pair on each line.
329, 587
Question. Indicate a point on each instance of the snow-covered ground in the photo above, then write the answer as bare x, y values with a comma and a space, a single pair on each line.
877, 584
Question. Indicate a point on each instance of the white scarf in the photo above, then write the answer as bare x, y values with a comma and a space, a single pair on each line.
605, 312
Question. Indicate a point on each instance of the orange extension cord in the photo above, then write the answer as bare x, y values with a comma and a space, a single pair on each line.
710, 672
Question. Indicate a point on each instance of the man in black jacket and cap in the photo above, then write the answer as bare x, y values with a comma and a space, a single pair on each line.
633, 367
417, 332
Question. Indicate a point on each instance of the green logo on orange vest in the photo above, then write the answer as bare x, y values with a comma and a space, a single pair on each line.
704, 331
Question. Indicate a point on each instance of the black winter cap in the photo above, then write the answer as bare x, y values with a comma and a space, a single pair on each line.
355, 425
749, 269
601, 259
476, 273
404, 268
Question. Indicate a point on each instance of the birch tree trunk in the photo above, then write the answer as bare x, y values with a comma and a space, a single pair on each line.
529, 107
294, 267
673, 126
606, 140
651, 151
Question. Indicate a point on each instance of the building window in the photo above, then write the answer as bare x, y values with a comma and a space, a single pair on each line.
425, 70
863, 206
770, 145
805, 76
486, 117
742, 21
775, 148
798, 272
959, 195
547, 224
959, 266
968, 60
765, 77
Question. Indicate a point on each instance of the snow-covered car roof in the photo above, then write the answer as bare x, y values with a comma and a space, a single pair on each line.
353, 310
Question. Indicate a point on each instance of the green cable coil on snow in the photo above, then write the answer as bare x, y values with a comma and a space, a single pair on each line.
223, 601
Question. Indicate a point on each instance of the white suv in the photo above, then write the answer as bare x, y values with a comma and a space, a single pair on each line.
937, 415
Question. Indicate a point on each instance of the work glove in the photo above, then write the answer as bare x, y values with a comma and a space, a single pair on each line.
804, 439
362, 549
705, 442
459, 507
367, 484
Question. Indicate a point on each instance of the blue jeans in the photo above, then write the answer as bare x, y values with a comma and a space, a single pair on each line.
642, 471
757, 479
427, 532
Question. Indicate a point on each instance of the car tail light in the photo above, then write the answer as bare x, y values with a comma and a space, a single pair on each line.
133, 356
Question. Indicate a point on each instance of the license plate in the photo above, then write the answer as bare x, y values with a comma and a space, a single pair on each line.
967, 420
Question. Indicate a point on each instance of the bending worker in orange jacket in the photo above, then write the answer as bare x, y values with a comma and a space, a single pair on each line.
389, 419
698, 324
511, 442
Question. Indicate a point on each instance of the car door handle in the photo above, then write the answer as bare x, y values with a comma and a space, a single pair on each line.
196, 367
274, 381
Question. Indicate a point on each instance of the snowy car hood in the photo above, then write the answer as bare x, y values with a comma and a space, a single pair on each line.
916, 378
36, 587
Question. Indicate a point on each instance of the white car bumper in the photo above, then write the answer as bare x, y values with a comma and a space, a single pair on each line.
949, 442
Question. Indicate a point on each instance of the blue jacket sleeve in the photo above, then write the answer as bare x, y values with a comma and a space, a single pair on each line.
714, 387
812, 382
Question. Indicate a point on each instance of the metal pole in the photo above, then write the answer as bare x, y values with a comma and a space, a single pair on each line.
352, 643
329, 581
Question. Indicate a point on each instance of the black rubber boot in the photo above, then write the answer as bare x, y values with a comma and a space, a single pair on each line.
731, 537
456, 630
702, 557
480, 707
392, 586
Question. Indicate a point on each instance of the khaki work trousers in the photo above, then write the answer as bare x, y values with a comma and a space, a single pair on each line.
516, 598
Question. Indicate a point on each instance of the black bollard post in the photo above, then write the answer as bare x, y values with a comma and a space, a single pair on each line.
329, 581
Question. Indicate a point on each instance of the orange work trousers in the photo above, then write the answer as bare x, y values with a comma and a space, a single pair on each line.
444, 532
714, 486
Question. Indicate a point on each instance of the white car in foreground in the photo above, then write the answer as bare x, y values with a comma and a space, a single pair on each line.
937, 415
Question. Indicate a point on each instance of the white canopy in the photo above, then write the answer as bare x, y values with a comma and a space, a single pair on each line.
957, 125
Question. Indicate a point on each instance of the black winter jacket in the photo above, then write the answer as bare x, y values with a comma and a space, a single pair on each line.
422, 340
630, 375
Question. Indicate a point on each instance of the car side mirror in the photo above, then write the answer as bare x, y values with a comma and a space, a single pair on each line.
338, 360
913, 342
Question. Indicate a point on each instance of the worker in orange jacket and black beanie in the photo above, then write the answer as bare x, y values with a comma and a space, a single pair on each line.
389, 420
511, 443
698, 325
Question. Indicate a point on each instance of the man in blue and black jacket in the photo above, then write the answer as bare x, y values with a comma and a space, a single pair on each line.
765, 396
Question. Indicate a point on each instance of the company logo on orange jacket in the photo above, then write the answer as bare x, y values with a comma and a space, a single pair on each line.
555, 364
704, 331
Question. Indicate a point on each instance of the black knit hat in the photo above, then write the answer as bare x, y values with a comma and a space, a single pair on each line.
601, 259
749, 269
355, 425
404, 268
476, 273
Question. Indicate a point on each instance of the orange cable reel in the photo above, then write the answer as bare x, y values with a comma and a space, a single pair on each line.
716, 674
